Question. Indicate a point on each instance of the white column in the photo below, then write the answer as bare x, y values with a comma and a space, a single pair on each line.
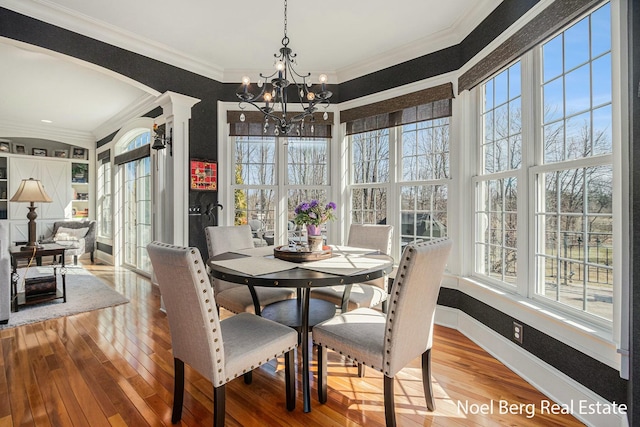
172, 215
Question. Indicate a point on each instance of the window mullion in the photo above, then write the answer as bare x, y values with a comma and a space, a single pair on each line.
531, 151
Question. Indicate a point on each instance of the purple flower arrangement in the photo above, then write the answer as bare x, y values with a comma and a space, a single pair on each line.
314, 213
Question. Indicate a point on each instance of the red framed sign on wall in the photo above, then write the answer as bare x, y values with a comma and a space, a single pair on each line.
204, 175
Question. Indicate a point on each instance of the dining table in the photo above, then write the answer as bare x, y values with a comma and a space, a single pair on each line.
341, 265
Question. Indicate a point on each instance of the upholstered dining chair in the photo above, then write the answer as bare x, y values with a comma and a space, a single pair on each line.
219, 350
232, 296
388, 342
368, 294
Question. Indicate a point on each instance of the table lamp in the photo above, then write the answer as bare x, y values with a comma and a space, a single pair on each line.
32, 191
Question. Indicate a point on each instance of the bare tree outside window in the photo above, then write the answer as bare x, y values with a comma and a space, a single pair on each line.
572, 174
575, 211
419, 194
256, 186
255, 176
497, 188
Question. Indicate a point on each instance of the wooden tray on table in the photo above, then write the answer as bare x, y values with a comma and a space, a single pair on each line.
284, 253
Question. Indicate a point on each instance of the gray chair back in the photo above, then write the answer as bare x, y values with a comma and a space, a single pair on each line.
191, 309
371, 236
414, 294
223, 239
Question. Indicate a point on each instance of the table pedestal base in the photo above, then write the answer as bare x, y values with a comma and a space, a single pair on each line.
301, 314
289, 312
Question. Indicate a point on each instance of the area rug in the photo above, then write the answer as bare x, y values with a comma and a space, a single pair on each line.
85, 292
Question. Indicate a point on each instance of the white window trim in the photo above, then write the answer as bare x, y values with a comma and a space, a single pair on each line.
610, 344
226, 177
604, 345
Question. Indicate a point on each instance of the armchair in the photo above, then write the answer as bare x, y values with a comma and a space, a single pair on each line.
79, 236
258, 232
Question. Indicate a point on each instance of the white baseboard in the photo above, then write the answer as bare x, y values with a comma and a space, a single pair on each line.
104, 257
580, 401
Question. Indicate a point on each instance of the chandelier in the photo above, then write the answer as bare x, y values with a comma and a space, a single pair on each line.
274, 93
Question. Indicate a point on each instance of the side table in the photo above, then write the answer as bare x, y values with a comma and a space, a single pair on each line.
18, 298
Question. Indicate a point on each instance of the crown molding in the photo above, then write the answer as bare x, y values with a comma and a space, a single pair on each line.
85, 25
448, 37
22, 130
69, 19
397, 56
140, 106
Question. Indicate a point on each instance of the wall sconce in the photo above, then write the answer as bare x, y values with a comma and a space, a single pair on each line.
160, 140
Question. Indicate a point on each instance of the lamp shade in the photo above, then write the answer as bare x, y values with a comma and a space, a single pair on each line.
31, 190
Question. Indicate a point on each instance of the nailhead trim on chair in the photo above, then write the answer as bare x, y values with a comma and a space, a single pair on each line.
348, 356
394, 302
212, 320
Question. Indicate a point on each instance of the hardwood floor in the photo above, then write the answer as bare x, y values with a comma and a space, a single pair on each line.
114, 367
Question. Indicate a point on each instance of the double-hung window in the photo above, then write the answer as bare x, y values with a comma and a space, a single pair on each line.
273, 174
255, 180
103, 187
500, 157
574, 179
256, 183
553, 183
399, 171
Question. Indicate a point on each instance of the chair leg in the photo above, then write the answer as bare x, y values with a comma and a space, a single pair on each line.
75, 260
218, 406
91, 256
322, 374
178, 390
248, 377
389, 411
290, 381
385, 306
426, 380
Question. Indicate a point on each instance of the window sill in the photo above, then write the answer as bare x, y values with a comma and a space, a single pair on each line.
594, 341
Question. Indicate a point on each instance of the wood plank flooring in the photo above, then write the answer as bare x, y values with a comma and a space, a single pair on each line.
113, 367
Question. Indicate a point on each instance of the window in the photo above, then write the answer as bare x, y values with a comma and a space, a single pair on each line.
574, 212
105, 217
569, 171
307, 173
370, 176
425, 171
255, 180
497, 185
259, 188
134, 197
417, 188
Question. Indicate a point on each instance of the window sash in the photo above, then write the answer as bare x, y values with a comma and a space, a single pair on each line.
531, 263
418, 221
282, 195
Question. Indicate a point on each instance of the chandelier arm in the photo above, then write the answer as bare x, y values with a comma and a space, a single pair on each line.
269, 76
268, 114
300, 117
277, 93
293, 71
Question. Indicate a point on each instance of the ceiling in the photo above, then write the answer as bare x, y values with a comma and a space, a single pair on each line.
219, 39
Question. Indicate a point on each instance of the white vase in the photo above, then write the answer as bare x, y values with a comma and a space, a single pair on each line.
315, 243
314, 238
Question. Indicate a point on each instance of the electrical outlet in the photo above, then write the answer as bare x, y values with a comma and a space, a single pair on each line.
517, 332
